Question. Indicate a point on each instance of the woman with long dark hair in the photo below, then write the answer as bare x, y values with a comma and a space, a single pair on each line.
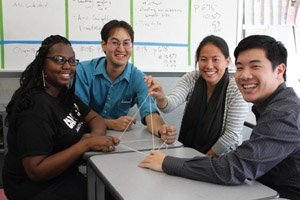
215, 110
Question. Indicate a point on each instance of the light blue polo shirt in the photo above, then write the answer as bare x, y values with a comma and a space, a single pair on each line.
112, 99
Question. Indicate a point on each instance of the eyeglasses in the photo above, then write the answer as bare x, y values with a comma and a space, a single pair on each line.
127, 44
60, 60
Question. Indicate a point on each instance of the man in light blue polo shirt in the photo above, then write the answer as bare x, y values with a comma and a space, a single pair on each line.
111, 85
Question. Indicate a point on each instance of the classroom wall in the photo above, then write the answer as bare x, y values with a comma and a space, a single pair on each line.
166, 32
166, 35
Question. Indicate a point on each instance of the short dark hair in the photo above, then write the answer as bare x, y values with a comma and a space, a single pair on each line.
110, 26
215, 40
275, 50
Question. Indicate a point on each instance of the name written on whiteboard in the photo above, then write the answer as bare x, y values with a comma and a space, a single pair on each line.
24, 51
90, 23
100, 4
34, 4
90, 49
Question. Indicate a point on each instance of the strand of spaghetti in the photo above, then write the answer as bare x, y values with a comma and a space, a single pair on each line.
161, 145
135, 150
164, 121
133, 118
164, 144
129, 141
152, 130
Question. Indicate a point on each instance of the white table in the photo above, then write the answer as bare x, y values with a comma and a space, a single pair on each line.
120, 175
136, 138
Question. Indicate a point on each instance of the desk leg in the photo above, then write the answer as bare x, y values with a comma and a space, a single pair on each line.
100, 189
91, 183
96, 189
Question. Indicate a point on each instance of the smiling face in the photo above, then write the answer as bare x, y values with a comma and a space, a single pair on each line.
212, 64
118, 48
255, 76
59, 75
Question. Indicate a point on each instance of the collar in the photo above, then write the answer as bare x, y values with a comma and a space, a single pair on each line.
100, 69
259, 108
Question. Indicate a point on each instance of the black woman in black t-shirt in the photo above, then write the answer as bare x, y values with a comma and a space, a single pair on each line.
45, 119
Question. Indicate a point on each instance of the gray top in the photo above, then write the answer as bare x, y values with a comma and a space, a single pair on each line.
236, 110
271, 155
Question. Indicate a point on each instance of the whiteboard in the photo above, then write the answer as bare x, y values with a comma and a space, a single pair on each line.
167, 32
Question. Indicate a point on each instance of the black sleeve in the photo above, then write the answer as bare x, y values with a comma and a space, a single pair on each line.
84, 109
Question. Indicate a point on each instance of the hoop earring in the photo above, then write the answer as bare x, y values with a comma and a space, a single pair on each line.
43, 77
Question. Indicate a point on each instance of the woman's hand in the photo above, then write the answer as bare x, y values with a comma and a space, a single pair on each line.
154, 87
168, 133
100, 143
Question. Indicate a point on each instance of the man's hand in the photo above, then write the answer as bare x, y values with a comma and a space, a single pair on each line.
153, 161
120, 124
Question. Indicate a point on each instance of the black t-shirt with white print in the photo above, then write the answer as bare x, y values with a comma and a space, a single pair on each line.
46, 127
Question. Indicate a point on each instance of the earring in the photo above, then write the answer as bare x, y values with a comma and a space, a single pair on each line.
43, 77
